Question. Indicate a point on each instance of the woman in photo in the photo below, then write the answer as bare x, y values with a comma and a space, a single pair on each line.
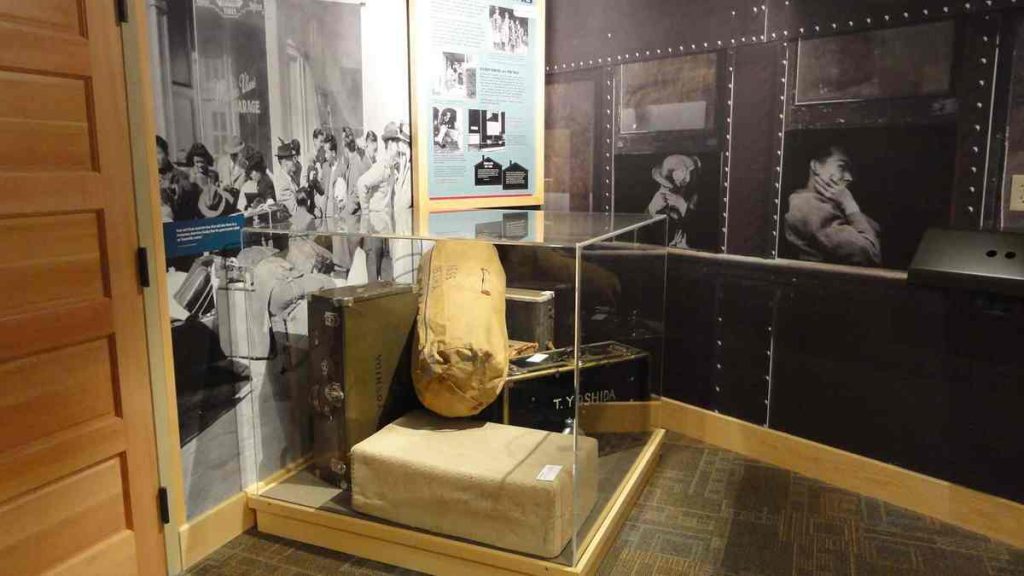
446, 135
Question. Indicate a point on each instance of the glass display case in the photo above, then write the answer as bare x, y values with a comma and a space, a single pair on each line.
339, 317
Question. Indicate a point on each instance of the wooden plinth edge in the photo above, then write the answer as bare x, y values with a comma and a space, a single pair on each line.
433, 554
992, 516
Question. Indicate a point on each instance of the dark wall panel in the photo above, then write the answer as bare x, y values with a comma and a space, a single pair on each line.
689, 333
919, 378
758, 85
718, 337
743, 334
791, 18
865, 367
985, 337
580, 32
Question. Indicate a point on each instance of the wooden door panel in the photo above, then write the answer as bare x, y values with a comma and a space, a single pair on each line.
55, 327
67, 267
28, 47
28, 467
40, 398
43, 146
44, 99
116, 555
64, 518
78, 488
59, 15
40, 192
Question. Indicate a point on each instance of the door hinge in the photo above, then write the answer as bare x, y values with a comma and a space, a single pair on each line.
142, 255
122, 10
165, 506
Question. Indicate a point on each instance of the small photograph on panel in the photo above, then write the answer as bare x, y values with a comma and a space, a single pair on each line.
455, 76
486, 129
685, 187
864, 196
897, 63
509, 33
448, 130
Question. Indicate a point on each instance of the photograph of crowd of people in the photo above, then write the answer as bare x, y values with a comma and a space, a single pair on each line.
509, 33
455, 76
849, 197
686, 188
447, 130
338, 178
368, 177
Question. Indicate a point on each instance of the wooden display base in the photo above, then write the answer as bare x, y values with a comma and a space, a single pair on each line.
435, 554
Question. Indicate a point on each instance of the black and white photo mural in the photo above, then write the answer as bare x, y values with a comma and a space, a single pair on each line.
668, 159
858, 196
809, 145
684, 187
870, 146
266, 114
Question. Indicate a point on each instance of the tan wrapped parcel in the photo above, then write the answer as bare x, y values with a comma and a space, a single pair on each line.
505, 486
461, 342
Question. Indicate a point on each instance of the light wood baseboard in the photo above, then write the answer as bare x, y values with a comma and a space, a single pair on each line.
215, 528
218, 526
434, 554
992, 516
618, 417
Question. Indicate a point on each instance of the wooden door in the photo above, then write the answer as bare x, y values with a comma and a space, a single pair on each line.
78, 488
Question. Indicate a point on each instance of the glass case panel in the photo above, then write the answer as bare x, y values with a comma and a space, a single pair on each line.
336, 315
536, 227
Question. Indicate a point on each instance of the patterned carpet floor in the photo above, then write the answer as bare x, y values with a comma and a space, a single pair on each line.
711, 512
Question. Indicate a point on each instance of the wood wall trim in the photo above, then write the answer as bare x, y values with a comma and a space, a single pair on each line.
992, 516
142, 126
215, 528
618, 417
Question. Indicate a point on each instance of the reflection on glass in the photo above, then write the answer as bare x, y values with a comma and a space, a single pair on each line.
913, 61
1012, 208
669, 95
569, 145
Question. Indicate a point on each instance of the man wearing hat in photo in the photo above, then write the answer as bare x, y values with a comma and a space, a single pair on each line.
286, 177
376, 190
231, 165
675, 198
404, 255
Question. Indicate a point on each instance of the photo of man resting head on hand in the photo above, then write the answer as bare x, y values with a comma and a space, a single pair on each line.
824, 223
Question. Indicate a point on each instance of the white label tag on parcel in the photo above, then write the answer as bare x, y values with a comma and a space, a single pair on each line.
549, 473
537, 358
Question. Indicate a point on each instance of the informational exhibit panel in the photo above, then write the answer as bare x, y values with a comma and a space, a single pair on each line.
478, 106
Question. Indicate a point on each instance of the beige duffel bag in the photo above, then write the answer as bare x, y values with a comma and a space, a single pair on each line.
461, 340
